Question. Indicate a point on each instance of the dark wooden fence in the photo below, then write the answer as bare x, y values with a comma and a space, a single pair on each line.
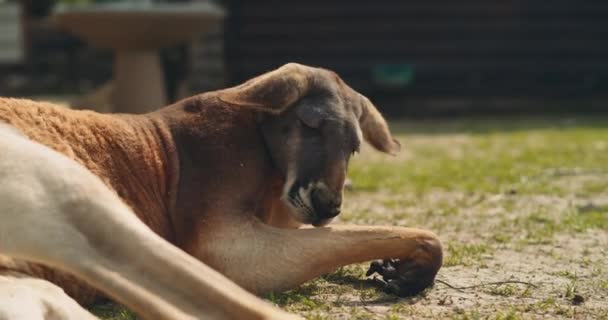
441, 48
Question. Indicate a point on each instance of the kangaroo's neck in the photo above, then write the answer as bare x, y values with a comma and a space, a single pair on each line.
224, 168
148, 171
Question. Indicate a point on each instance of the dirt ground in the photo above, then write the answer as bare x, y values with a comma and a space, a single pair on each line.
563, 275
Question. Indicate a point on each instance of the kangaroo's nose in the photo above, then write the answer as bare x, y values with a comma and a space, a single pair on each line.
327, 204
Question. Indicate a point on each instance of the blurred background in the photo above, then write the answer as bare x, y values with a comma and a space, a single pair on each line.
412, 57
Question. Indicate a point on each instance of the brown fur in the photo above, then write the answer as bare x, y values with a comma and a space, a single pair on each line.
198, 171
135, 155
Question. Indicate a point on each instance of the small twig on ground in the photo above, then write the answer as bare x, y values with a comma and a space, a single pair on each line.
497, 283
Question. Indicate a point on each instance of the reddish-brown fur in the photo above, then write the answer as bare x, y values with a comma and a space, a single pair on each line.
136, 156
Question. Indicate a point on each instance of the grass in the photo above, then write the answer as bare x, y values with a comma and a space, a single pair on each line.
520, 199
112, 311
476, 160
465, 254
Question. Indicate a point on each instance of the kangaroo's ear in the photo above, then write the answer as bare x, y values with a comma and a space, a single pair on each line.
375, 129
273, 91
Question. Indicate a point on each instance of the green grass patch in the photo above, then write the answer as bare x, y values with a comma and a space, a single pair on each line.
300, 297
112, 311
505, 290
582, 220
465, 254
526, 159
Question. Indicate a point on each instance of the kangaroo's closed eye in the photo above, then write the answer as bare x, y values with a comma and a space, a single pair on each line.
311, 115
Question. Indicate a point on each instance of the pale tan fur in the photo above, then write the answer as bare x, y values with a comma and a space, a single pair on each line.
112, 200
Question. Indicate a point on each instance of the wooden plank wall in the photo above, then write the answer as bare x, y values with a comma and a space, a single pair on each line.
484, 48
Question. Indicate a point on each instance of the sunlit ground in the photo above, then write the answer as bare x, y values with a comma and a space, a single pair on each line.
512, 200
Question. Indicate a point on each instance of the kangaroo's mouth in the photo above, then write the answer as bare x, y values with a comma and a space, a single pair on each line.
305, 209
298, 199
